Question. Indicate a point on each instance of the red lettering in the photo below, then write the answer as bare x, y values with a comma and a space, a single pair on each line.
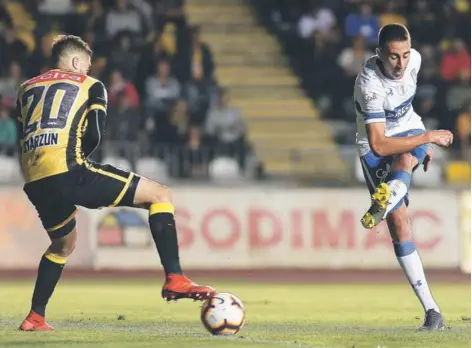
297, 231
342, 235
380, 235
186, 235
57, 75
434, 223
256, 238
233, 226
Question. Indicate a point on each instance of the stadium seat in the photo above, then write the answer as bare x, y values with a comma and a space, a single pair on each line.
152, 168
224, 168
10, 169
458, 172
119, 162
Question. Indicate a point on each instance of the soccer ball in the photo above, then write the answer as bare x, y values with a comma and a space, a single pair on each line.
223, 314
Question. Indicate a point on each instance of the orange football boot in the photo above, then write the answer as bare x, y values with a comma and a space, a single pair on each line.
178, 286
35, 322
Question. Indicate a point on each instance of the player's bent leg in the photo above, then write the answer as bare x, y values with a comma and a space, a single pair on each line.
158, 200
389, 196
63, 241
400, 230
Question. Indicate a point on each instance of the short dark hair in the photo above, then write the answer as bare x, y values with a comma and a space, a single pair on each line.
392, 32
63, 43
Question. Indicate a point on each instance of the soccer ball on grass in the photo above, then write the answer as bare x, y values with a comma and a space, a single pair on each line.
223, 314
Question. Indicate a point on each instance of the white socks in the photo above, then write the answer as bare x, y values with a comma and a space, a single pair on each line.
413, 268
398, 190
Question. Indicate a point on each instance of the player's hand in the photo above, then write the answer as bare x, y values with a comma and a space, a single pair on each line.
428, 159
440, 137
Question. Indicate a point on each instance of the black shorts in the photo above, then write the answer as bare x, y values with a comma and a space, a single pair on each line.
91, 186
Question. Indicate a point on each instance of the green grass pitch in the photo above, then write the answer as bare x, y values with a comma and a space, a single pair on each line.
85, 314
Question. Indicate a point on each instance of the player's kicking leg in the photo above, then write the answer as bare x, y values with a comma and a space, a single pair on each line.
388, 196
158, 200
400, 229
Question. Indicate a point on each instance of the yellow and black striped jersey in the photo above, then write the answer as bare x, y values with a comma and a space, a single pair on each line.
51, 110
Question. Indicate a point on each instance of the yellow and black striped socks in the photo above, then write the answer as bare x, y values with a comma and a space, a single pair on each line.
49, 273
164, 233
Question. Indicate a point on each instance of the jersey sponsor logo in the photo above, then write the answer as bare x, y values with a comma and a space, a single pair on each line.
369, 98
399, 113
382, 173
40, 140
57, 75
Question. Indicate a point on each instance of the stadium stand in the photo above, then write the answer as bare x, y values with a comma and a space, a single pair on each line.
264, 84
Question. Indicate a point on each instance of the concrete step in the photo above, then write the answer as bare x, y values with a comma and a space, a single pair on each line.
268, 103
275, 113
255, 39
222, 18
216, 2
267, 81
274, 92
289, 124
237, 60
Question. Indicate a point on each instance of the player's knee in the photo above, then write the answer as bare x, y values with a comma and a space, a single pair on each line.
64, 246
150, 192
161, 194
405, 161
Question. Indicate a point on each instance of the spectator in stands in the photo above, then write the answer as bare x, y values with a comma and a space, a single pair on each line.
55, 7
40, 60
226, 126
96, 20
429, 60
8, 136
125, 58
99, 48
151, 53
123, 125
9, 86
352, 59
463, 132
11, 49
201, 59
5, 18
391, 14
170, 11
162, 92
119, 87
456, 61
322, 19
364, 23
423, 23
459, 95
195, 155
197, 95
145, 10
124, 18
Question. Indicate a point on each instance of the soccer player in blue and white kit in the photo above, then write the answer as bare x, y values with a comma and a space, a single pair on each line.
392, 144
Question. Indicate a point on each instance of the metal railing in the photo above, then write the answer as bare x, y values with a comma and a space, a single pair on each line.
307, 166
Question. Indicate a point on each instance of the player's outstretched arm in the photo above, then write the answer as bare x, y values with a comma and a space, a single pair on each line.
383, 146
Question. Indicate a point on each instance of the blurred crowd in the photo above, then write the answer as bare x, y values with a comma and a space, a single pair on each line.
328, 41
164, 101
